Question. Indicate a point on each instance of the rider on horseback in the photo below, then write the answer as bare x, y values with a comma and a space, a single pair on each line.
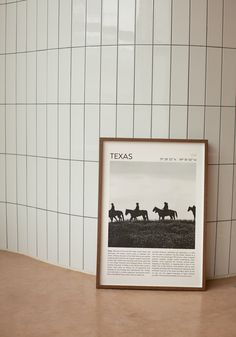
166, 207
137, 207
112, 207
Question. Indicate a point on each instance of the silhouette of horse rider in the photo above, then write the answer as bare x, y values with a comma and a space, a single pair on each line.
165, 211
115, 214
134, 213
166, 207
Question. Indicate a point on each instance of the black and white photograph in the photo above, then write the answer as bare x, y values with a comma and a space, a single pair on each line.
151, 213
152, 205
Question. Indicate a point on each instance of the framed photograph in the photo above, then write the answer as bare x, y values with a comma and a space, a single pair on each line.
151, 214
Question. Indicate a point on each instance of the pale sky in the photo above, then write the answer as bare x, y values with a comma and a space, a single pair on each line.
151, 184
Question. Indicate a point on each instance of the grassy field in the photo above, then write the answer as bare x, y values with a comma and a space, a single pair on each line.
152, 234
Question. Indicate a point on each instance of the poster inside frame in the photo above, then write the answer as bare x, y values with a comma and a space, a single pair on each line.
151, 214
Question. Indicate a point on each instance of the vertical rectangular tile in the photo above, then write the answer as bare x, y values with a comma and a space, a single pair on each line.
227, 135
232, 265
53, 17
52, 130
11, 129
52, 237
108, 121
41, 76
124, 121
2, 79
31, 77
77, 242
77, 132
91, 132
31, 181
222, 248
142, 121
65, 23
21, 78
52, 76
64, 131
31, 129
90, 239
195, 122
2, 129
234, 194
160, 121
41, 130
212, 133
143, 74
77, 81
229, 24
78, 22
31, 24
63, 186
108, 75
213, 82
21, 26
42, 234
22, 229
41, 183
32, 232
125, 74
178, 122
21, 129
52, 194
144, 15
92, 75
179, 77
76, 188
212, 192
228, 77
198, 22
93, 22
225, 192
109, 21
210, 249
11, 78
197, 76
11, 178
180, 22
12, 227
161, 75
63, 240
11, 28
2, 177
64, 75
42, 24
126, 21
3, 227
21, 180
90, 189
162, 21
2, 28
214, 24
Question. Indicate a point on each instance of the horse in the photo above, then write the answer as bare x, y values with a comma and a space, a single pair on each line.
117, 215
134, 214
165, 212
193, 209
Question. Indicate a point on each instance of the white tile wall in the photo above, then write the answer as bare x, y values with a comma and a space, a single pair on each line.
162, 21
164, 70
2, 28
214, 28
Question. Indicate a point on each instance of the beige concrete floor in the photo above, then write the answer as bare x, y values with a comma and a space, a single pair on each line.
39, 300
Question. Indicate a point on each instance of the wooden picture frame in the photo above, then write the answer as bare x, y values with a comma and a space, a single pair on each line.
151, 214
